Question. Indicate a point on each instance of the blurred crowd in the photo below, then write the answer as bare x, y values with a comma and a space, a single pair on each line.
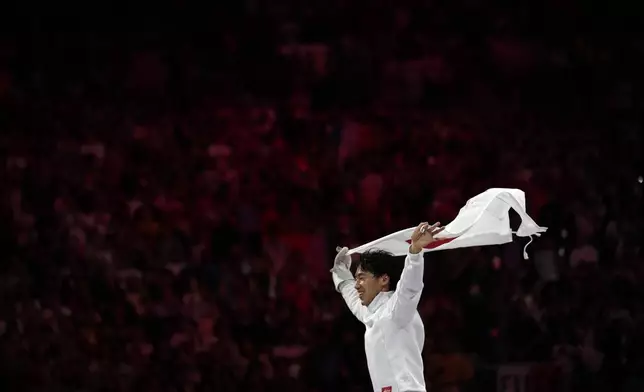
171, 202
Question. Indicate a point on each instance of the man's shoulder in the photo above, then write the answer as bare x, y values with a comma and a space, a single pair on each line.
387, 311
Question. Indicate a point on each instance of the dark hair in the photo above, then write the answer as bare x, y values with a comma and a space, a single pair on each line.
380, 262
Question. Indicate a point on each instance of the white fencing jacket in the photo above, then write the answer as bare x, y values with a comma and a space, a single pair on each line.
395, 334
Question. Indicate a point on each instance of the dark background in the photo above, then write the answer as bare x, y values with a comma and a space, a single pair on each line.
178, 175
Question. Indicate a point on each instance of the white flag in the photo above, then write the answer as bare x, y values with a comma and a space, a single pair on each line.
484, 220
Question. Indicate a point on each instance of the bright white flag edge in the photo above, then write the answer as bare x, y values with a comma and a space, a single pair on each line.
486, 221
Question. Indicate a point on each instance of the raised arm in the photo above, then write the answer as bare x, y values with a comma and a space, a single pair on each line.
345, 284
405, 299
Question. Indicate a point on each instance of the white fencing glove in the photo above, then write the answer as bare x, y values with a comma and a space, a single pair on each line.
341, 268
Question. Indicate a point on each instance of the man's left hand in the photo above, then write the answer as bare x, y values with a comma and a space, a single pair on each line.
423, 235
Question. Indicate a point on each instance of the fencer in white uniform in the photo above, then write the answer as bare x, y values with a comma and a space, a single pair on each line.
387, 306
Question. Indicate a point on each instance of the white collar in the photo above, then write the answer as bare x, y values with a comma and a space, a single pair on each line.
379, 300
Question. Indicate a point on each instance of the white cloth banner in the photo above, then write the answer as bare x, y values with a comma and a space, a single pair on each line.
484, 220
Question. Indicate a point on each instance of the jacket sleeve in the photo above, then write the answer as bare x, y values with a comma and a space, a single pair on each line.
404, 301
345, 284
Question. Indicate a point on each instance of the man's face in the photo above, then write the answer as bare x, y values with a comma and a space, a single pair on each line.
368, 285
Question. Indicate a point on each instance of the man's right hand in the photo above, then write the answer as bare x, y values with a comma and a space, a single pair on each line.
341, 271
342, 258
345, 284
